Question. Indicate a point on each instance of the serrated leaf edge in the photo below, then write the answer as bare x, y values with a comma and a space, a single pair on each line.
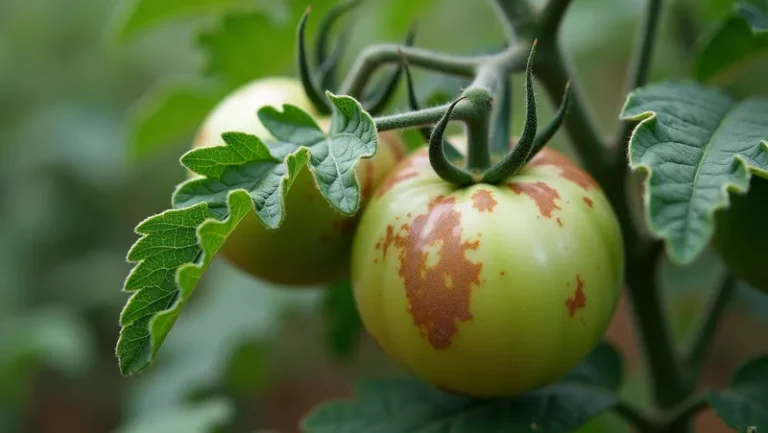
650, 116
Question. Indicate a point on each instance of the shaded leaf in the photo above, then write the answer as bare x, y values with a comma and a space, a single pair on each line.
696, 144
742, 36
410, 406
745, 403
177, 245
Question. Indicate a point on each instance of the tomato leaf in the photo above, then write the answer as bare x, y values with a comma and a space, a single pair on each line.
343, 327
745, 403
742, 36
177, 245
410, 406
696, 144
168, 114
334, 157
175, 249
134, 16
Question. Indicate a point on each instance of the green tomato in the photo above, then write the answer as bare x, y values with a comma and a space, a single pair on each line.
488, 290
313, 243
741, 234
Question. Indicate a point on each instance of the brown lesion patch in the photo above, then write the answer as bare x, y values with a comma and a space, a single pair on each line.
394, 144
483, 200
543, 194
437, 275
568, 169
407, 169
579, 300
559, 222
588, 201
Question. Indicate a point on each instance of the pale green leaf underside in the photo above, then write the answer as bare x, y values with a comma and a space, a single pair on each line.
696, 144
745, 403
175, 249
177, 245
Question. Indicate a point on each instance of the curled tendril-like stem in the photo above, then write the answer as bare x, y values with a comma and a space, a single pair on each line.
546, 134
327, 63
437, 157
314, 93
413, 102
515, 159
383, 94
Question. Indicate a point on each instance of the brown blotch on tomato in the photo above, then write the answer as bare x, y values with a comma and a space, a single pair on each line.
588, 201
438, 291
559, 222
568, 169
543, 194
483, 200
502, 273
579, 300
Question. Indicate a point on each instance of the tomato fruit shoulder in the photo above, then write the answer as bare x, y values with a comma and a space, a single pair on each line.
312, 245
488, 290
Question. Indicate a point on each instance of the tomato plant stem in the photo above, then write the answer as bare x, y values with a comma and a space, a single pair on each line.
697, 352
635, 417
552, 16
376, 55
638, 71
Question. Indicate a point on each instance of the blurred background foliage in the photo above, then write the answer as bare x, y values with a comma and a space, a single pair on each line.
99, 98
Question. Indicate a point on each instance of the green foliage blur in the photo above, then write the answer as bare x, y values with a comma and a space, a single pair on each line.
87, 151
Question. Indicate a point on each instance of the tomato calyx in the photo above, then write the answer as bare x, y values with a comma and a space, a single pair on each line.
476, 114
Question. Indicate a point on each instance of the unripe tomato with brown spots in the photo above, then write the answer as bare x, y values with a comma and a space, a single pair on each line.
741, 234
312, 244
488, 290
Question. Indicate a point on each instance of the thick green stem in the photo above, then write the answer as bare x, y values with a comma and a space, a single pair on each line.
642, 284
678, 417
552, 16
555, 72
639, 69
478, 145
377, 55
696, 354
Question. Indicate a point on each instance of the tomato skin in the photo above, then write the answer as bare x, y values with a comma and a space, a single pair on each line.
741, 234
312, 244
488, 290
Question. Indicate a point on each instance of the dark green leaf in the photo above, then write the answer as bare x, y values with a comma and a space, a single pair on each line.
342, 322
745, 403
742, 36
410, 406
603, 366
175, 249
696, 144
169, 113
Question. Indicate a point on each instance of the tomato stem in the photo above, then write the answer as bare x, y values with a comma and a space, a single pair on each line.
696, 354
437, 158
